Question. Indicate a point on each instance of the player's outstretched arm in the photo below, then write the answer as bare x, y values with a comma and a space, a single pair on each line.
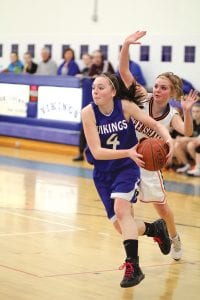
185, 127
124, 71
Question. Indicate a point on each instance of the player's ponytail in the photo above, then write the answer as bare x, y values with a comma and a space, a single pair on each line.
122, 92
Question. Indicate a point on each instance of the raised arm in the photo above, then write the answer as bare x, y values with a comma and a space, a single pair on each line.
124, 71
186, 127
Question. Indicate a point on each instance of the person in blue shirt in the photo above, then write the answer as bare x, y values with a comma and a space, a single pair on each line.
187, 86
112, 149
136, 71
15, 66
68, 66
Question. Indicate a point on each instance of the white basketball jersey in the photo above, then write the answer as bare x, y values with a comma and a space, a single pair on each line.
165, 119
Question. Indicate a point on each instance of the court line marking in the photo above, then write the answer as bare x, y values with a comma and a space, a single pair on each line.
95, 272
43, 220
112, 270
20, 271
104, 234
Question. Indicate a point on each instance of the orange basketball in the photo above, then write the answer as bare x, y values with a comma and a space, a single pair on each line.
154, 153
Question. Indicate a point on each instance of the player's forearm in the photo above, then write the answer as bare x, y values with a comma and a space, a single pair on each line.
124, 63
188, 123
108, 154
162, 131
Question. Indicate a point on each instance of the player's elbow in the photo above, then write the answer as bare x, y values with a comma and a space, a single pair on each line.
188, 133
96, 153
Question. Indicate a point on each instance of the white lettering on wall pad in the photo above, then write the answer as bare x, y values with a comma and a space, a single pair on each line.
59, 103
14, 99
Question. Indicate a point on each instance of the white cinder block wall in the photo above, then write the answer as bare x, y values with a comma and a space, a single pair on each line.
39, 22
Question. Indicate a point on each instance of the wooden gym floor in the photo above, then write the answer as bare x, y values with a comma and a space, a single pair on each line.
57, 244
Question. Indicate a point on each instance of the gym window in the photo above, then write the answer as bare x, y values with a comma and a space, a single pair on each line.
189, 55
144, 53
166, 54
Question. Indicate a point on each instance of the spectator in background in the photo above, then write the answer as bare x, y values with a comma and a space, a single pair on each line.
184, 147
68, 66
29, 66
47, 66
196, 170
86, 60
15, 66
99, 64
187, 86
136, 71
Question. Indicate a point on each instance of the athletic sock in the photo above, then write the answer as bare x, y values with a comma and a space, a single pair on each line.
131, 248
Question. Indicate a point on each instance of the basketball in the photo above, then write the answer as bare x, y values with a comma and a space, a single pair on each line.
154, 153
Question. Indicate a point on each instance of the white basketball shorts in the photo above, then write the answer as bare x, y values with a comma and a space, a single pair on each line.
152, 187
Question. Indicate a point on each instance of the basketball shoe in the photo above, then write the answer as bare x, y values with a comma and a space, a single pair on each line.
133, 274
184, 169
194, 172
161, 236
176, 248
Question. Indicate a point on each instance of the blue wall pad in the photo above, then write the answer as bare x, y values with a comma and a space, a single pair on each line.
42, 129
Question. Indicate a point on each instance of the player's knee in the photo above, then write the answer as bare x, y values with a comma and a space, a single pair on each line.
117, 227
122, 208
119, 213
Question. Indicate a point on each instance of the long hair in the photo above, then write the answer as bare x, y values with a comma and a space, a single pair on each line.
122, 91
69, 50
176, 82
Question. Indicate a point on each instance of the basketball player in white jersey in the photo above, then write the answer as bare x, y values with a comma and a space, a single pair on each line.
167, 86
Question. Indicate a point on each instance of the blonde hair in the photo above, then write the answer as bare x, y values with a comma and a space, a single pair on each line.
177, 84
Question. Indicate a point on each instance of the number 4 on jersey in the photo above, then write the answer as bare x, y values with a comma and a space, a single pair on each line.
113, 140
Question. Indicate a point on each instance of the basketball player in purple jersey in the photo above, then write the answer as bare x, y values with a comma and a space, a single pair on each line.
112, 144
156, 105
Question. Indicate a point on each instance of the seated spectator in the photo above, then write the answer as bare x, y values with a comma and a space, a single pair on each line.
29, 66
15, 66
184, 147
86, 61
196, 170
99, 64
47, 66
68, 66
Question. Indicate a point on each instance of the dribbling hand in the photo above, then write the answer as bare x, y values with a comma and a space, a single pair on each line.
136, 156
